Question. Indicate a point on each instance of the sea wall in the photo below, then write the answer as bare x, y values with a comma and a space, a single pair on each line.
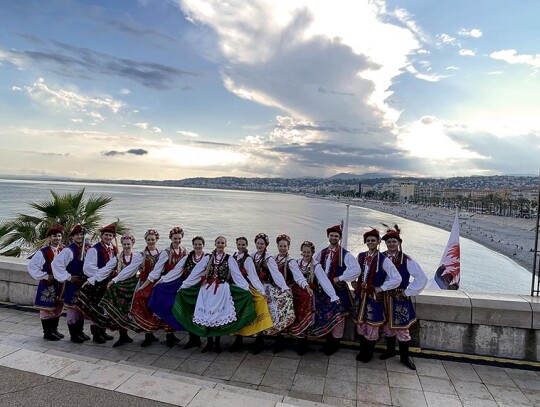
497, 325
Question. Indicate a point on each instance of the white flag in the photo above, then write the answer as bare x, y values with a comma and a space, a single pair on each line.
448, 273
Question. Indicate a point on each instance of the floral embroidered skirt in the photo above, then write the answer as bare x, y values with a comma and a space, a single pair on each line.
117, 302
88, 302
280, 304
262, 321
162, 299
141, 314
401, 313
368, 310
48, 296
304, 311
187, 304
327, 315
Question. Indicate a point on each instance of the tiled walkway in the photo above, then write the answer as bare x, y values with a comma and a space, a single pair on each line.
337, 380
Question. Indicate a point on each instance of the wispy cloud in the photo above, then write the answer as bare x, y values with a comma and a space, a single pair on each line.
133, 151
511, 56
187, 133
475, 32
446, 39
464, 52
452, 68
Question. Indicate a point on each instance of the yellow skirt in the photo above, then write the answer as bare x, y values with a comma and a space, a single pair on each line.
263, 321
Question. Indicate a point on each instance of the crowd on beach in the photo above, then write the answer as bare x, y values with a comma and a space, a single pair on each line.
211, 294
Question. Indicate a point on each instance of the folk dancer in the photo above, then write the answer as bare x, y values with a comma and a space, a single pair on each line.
378, 274
100, 261
215, 299
341, 267
400, 309
164, 292
288, 267
263, 320
128, 293
49, 292
67, 268
325, 305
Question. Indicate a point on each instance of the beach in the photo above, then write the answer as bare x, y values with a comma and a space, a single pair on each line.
512, 237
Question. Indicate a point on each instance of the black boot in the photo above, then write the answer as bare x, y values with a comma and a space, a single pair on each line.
194, 341
123, 338
404, 356
48, 333
55, 327
390, 351
332, 345
303, 346
80, 327
367, 352
258, 345
238, 344
362, 346
171, 339
279, 344
96, 334
149, 339
105, 335
209, 347
74, 333
217, 344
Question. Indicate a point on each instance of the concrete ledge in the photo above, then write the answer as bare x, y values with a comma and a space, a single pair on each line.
501, 310
535, 306
447, 306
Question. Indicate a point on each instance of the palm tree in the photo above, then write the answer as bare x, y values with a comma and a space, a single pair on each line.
25, 234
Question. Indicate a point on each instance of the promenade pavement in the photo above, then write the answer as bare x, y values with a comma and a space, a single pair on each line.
56, 372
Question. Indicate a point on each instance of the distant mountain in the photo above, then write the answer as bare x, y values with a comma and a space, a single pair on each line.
367, 175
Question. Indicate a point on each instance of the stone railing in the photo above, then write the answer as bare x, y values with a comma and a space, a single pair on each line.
497, 325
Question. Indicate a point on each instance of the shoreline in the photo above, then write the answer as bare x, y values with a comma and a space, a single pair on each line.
511, 237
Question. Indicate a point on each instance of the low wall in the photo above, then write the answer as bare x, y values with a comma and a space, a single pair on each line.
498, 325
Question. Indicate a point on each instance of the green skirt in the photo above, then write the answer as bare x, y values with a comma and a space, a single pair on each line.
184, 308
117, 302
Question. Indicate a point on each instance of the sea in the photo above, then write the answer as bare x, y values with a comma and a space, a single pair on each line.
213, 212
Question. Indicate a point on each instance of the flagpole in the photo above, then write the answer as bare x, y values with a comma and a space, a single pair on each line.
345, 232
535, 258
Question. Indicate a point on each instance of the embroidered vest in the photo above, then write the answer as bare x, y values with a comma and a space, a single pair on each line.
263, 271
375, 274
48, 255
173, 259
336, 269
285, 270
402, 268
149, 261
75, 266
103, 256
220, 271
241, 263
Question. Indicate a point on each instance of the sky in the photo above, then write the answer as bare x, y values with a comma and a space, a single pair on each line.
173, 89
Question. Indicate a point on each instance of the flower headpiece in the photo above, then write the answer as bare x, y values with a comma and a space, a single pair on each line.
263, 236
283, 237
308, 244
128, 236
176, 231
151, 232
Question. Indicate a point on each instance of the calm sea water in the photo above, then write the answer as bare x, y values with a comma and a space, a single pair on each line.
210, 213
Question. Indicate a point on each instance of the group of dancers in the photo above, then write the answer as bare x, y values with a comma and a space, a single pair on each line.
211, 294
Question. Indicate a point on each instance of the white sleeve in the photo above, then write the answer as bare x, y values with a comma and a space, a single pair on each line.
325, 283
297, 274
420, 279
393, 278
60, 263
276, 275
131, 269
352, 272
196, 274
105, 271
90, 267
252, 275
176, 272
236, 274
156, 272
35, 266
317, 256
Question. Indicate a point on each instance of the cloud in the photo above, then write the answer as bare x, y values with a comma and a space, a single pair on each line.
69, 60
133, 151
143, 126
452, 68
424, 76
475, 33
157, 130
446, 39
16, 88
464, 52
511, 56
187, 133
495, 72
125, 91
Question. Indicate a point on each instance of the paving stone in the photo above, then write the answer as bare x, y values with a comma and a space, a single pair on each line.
278, 379
430, 367
143, 359
345, 357
404, 381
437, 385
340, 388
301, 398
532, 395
471, 401
342, 372
373, 393
220, 370
284, 364
105, 377
308, 384
394, 365
167, 362
249, 392
193, 366
372, 376
6, 350
249, 374
312, 368
472, 389
532, 383
461, 372
35, 362
338, 401
442, 400
494, 375
508, 396
407, 397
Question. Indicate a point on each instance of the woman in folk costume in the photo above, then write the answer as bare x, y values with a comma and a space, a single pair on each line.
327, 311
116, 309
278, 293
295, 280
167, 260
377, 275
263, 320
67, 268
399, 307
164, 292
100, 261
48, 296
215, 299
140, 318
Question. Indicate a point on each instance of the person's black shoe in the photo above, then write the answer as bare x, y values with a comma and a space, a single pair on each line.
217, 344
279, 344
209, 347
367, 352
48, 333
238, 344
96, 334
74, 333
303, 347
194, 341
390, 350
332, 347
170, 339
80, 327
149, 339
105, 335
55, 328
258, 345
404, 355
123, 339
362, 345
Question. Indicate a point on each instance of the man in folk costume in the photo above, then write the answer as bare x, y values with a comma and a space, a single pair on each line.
48, 300
67, 269
341, 267
377, 275
100, 261
399, 307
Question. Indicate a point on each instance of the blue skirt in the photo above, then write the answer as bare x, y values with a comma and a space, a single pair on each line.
401, 313
70, 294
346, 298
327, 315
162, 300
369, 310
48, 296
